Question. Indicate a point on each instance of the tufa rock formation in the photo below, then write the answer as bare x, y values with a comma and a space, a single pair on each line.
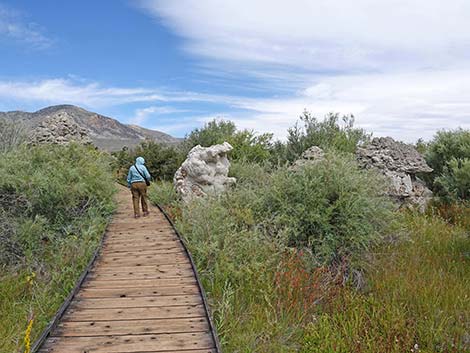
59, 129
312, 155
400, 163
205, 171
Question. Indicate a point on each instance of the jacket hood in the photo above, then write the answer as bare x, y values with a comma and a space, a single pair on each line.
140, 161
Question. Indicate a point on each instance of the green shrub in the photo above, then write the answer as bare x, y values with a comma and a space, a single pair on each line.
449, 155
454, 182
332, 207
59, 183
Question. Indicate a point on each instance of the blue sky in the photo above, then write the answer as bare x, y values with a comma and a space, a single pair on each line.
401, 67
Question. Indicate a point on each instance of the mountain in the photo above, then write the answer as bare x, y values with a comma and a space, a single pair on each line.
106, 133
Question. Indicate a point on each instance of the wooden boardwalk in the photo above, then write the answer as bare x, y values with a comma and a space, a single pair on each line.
140, 295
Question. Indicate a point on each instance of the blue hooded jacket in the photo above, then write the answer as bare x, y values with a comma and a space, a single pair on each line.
133, 176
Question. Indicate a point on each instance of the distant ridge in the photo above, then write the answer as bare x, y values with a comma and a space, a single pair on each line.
106, 133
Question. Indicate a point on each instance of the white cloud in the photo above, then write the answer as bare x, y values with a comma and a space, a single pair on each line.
405, 106
94, 94
143, 114
59, 91
401, 66
322, 34
182, 125
14, 27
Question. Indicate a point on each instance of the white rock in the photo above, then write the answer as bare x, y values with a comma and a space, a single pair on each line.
205, 171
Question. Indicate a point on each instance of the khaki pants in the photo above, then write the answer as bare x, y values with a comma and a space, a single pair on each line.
139, 192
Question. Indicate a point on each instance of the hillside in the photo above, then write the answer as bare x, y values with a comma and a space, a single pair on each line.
107, 133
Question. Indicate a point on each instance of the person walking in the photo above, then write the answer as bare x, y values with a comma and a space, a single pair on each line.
138, 179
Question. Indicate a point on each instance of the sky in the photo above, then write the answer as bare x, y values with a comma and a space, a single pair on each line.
401, 67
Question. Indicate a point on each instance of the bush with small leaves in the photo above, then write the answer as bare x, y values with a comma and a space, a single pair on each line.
449, 156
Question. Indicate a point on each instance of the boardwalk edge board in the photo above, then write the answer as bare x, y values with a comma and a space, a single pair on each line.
212, 328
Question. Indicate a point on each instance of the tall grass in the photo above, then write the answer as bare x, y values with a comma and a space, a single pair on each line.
417, 301
58, 200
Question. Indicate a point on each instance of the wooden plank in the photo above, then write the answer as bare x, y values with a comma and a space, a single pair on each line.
141, 283
144, 251
153, 228
130, 343
131, 239
134, 313
135, 226
114, 267
161, 268
158, 242
174, 245
144, 261
142, 233
136, 276
159, 249
130, 327
137, 302
166, 262
136, 292
209, 350
123, 248
155, 243
149, 270
124, 257
130, 248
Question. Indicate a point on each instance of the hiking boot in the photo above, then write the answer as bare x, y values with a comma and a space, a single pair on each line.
146, 214
136, 215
